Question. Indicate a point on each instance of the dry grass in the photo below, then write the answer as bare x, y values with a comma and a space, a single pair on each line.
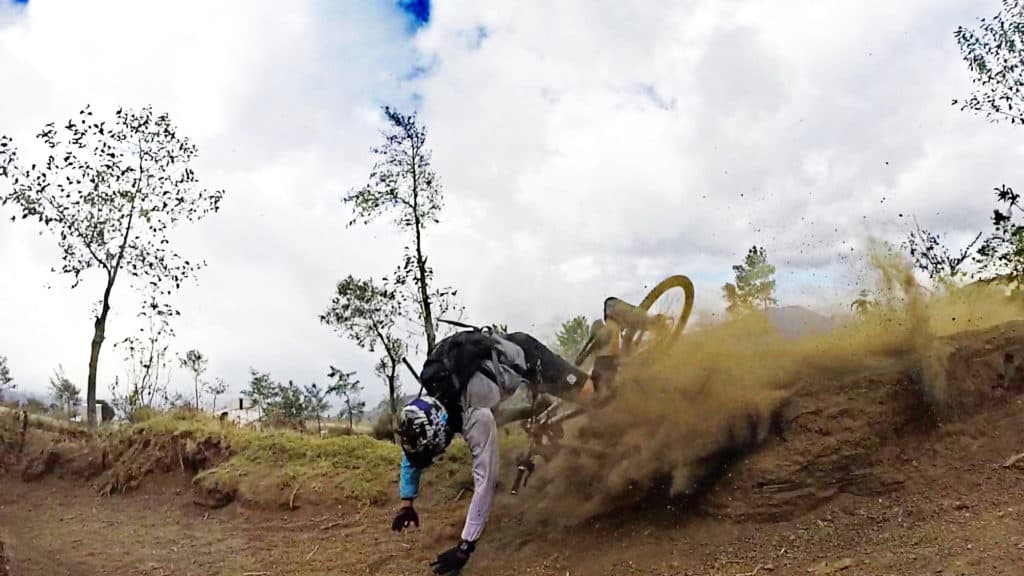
284, 467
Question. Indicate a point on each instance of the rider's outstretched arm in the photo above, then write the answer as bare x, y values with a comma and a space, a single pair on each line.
409, 484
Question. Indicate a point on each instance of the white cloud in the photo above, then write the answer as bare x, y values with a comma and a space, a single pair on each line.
587, 149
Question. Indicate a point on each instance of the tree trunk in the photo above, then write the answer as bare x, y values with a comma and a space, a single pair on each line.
318, 432
101, 320
214, 403
421, 263
348, 403
197, 392
99, 327
393, 400
421, 279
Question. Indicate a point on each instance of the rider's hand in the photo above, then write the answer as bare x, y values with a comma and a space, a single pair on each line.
406, 516
453, 559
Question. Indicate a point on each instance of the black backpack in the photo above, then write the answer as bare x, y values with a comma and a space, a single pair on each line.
451, 364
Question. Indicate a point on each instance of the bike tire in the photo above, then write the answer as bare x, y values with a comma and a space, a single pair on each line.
632, 336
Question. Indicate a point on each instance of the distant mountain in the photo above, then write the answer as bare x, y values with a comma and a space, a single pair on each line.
798, 322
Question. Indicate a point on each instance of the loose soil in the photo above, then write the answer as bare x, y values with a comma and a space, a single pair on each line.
863, 478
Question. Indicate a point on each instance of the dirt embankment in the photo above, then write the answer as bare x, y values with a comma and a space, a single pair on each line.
821, 414
862, 433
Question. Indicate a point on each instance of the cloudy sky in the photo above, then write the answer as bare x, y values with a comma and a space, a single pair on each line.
586, 148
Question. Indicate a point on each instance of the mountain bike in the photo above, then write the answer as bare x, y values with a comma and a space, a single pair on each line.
625, 335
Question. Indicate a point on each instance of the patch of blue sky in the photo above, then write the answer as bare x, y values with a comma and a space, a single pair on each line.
418, 12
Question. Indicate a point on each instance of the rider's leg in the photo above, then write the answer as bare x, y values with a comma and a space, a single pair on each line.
481, 435
557, 375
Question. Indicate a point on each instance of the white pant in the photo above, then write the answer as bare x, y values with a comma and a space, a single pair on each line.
481, 434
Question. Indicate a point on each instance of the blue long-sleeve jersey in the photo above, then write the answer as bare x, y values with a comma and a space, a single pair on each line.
409, 485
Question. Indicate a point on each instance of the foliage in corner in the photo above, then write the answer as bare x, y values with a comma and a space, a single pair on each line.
994, 54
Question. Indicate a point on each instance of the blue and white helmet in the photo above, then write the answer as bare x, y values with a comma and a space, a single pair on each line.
423, 430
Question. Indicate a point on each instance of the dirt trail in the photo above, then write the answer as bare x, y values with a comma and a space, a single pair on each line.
957, 510
863, 477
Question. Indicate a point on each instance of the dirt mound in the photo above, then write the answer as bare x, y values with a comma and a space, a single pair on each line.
76, 459
119, 459
146, 451
224, 463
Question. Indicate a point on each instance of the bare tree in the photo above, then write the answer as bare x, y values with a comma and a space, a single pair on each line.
348, 390
316, 403
147, 361
403, 183
218, 388
196, 363
110, 192
65, 393
366, 313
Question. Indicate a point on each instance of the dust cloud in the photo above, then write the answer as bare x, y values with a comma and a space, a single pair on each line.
721, 390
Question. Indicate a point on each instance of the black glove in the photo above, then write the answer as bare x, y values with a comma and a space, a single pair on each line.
453, 559
406, 516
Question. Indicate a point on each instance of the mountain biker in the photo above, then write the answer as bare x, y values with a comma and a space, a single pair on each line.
427, 426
